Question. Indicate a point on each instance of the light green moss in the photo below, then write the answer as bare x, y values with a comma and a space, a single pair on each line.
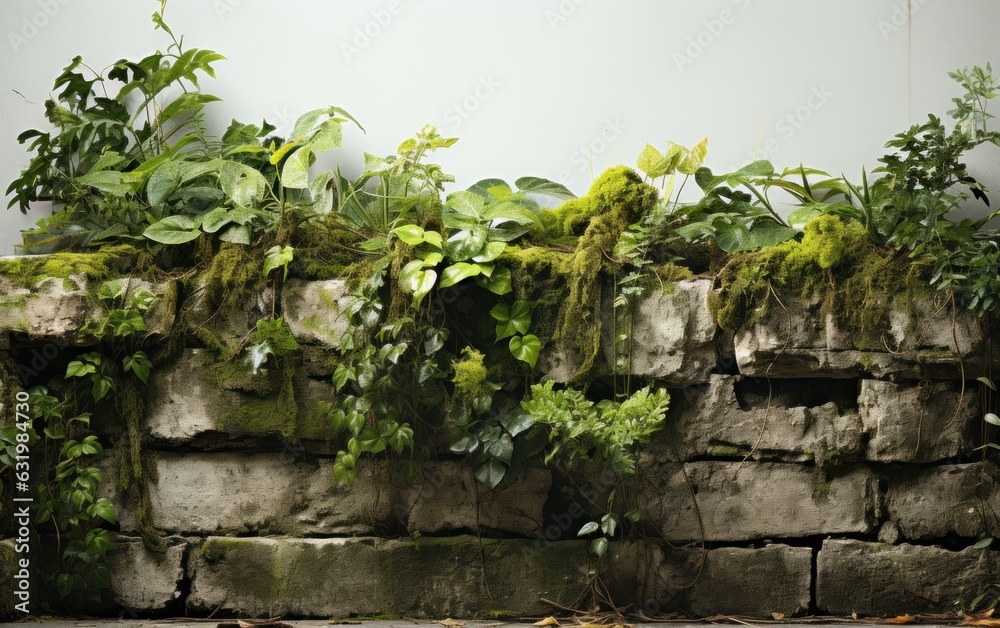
27, 271
859, 283
280, 414
723, 451
470, 375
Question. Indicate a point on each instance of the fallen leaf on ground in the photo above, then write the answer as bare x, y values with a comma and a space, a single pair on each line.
457, 623
778, 616
899, 620
548, 621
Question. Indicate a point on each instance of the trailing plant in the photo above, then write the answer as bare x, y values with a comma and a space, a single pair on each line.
609, 432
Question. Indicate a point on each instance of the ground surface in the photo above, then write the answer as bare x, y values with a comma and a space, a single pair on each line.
319, 623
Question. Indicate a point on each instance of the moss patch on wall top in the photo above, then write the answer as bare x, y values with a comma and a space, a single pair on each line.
26, 271
856, 281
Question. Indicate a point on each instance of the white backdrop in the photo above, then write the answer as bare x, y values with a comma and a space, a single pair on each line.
553, 88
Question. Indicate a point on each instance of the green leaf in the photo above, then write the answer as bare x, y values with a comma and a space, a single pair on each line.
237, 234
328, 136
599, 546
992, 419
588, 528
983, 543
526, 348
695, 158
176, 229
490, 252
501, 448
497, 283
799, 218
516, 422
140, 364
491, 472
988, 382
609, 523
295, 172
243, 185
79, 369
736, 237
510, 321
215, 220
107, 181
410, 234
491, 188
163, 182
370, 440
537, 185
652, 162
466, 203
459, 272
278, 256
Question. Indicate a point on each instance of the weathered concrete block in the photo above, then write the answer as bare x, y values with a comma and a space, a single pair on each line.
270, 493
916, 423
672, 334
196, 402
54, 309
316, 311
752, 582
801, 340
709, 421
935, 502
451, 487
879, 579
142, 581
435, 576
741, 502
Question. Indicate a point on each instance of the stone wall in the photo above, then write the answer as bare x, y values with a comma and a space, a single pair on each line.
796, 475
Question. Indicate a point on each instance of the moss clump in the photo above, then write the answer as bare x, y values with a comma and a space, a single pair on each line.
27, 271
470, 375
540, 276
8, 567
233, 275
134, 469
216, 549
617, 199
274, 415
856, 281
325, 251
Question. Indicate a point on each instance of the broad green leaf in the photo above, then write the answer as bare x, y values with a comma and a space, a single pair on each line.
695, 158
278, 256
215, 220
176, 229
466, 203
992, 419
328, 136
983, 543
652, 162
737, 237
988, 382
308, 122
410, 234
526, 348
799, 218
511, 320
516, 422
79, 369
536, 185
464, 244
295, 172
588, 528
491, 472
163, 182
599, 546
458, 272
490, 252
237, 234
501, 448
244, 185
497, 283
108, 181
491, 188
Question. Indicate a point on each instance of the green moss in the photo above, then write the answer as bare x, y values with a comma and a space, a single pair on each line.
280, 414
470, 375
617, 199
8, 567
540, 276
232, 276
859, 283
216, 549
134, 468
724, 451
27, 271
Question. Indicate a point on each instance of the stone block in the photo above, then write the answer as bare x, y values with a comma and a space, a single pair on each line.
802, 340
316, 311
742, 502
917, 422
935, 502
750, 582
450, 488
143, 581
709, 421
878, 579
53, 310
672, 334
199, 403
431, 577
263, 493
